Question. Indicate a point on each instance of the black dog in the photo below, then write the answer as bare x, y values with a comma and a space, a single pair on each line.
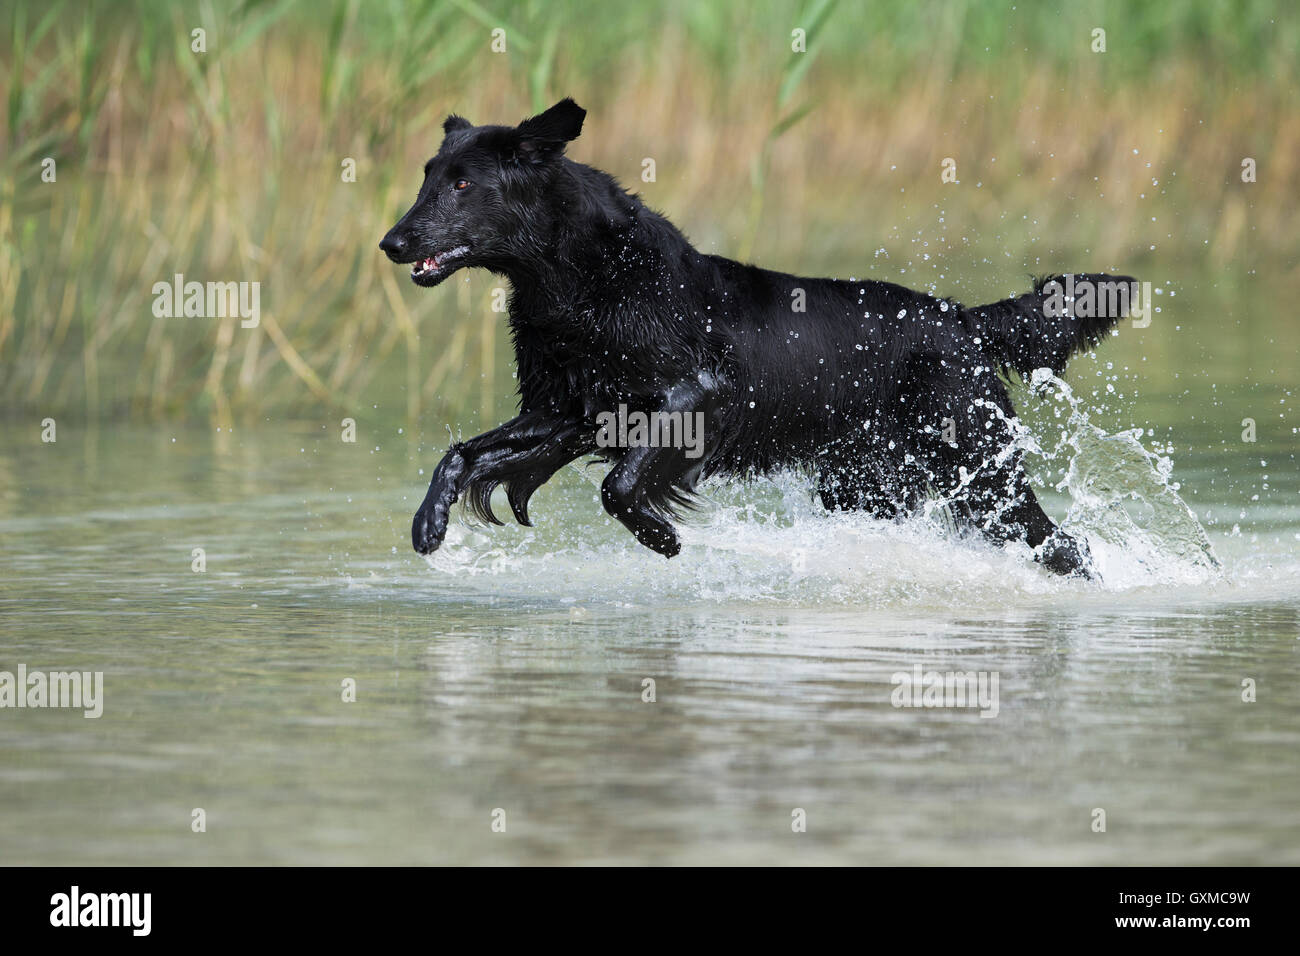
886, 394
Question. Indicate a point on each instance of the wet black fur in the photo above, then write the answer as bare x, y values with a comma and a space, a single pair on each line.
611, 304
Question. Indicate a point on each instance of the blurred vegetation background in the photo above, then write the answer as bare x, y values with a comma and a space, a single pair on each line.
226, 165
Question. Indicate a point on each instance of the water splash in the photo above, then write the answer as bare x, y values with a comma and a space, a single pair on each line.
1124, 500
772, 542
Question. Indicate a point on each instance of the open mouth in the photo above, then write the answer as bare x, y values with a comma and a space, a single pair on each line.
436, 265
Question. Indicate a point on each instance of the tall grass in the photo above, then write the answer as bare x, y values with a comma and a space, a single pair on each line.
226, 165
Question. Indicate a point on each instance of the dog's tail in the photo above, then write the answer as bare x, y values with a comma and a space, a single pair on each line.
1042, 329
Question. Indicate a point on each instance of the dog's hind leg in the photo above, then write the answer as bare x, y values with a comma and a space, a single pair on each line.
991, 492
523, 452
969, 444
1000, 503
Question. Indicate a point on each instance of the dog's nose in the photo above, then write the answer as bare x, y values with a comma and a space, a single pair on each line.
395, 246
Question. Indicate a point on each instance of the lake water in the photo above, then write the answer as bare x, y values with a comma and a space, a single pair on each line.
507, 673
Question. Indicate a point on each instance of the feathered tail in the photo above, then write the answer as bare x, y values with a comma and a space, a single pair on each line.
1063, 315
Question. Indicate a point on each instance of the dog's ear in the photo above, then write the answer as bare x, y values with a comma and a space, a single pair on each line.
544, 135
454, 123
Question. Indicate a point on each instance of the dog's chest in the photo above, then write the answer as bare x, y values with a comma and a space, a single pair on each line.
618, 349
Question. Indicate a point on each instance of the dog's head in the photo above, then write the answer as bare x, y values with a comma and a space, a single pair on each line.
480, 193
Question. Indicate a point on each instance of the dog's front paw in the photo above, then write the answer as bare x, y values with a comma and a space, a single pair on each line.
428, 528
659, 537
430, 522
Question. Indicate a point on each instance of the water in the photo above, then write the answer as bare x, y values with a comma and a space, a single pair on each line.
507, 671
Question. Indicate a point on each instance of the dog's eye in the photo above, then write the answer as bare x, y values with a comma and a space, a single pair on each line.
460, 184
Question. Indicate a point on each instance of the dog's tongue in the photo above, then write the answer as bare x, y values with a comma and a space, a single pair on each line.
429, 263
